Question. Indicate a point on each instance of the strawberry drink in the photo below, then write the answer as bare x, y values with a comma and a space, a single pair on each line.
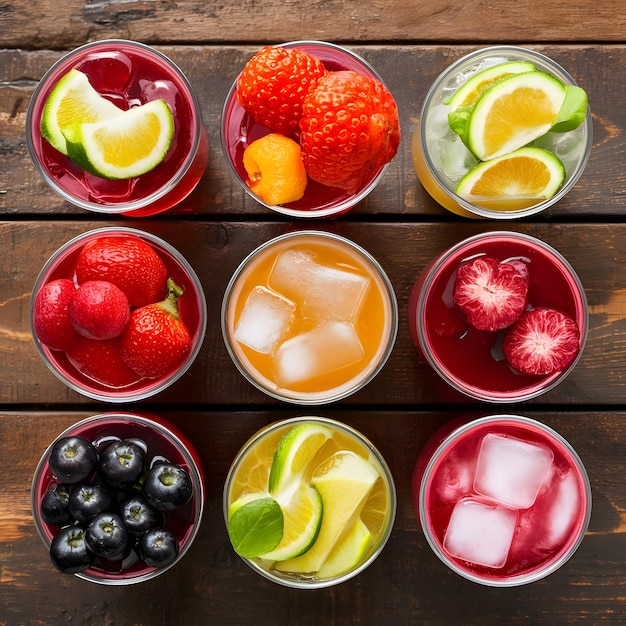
96, 83
144, 443
502, 500
500, 317
117, 314
308, 79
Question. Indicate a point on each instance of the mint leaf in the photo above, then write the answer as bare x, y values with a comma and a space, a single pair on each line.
459, 121
573, 110
256, 527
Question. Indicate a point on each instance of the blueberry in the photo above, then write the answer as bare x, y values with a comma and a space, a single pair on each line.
54, 508
158, 547
72, 459
87, 500
69, 552
106, 536
121, 464
138, 516
167, 487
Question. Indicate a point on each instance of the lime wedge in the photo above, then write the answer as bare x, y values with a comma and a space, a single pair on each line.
344, 482
131, 144
294, 453
348, 552
73, 101
303, 517
573, 110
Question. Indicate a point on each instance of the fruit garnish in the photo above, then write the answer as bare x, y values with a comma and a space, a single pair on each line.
51, 320
54, 507
492, 295
302, 513
542, 341
272, 86
126, 146
519, 179
376, 508
72, 459
344, 481
470, 91
106, 536
68, 551
349, 128
253, 473
573, 110
73, 101
167, 487
156, 341
275, 169
348, 553
297, 447
127, 262
158, 547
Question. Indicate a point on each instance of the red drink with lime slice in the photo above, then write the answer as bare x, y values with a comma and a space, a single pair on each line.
128, 74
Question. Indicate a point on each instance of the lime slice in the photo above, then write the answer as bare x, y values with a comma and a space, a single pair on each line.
470, 91
513, 112
73, 101
573, 110
517, 180
131, 144
348, 552
303, 517
294, 453
344, 481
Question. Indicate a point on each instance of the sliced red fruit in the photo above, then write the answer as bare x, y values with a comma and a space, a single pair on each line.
51, 320
542, 341
492, 295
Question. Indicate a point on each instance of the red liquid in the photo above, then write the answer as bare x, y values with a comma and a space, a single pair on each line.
239, 131
129, 75
542, 539
470, 359
190, 309
183, 522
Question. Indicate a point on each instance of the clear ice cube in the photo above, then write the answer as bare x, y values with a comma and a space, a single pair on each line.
265, 319
323, 292
324, 349
511, 471
563, 509
480, 532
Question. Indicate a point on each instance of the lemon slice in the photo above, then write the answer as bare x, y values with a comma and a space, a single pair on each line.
302, 521
348, 552
294, 453
517, 180
469, 92
513, 112
131, 144
344, 481
73, 101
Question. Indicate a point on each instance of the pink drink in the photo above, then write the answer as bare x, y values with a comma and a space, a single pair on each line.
191, 307
238, 130
470, 360
502, 500
129, 74
161, 440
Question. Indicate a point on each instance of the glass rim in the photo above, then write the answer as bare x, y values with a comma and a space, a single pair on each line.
374, 366
166, 187
122, 395
185, 449
386, 476
472, 209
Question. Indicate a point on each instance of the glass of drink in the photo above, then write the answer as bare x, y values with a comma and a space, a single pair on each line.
472, 361
94, 368
441, 159
309, 317
128, 74
161, 443
238, 130
503, 500
358, 499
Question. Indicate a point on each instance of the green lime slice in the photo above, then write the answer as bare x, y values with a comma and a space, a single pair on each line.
348, 553
573, 110
73, 101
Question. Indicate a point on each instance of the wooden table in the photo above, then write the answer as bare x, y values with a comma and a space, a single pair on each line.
409, 43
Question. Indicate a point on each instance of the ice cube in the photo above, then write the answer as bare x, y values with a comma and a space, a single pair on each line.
480, 532
265, 319
323, 292
454, 478
324, 349
511, 471
563, 509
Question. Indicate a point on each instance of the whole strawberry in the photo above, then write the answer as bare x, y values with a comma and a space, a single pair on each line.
156, 341
51, 320
348, 130
273, 84
129, 263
